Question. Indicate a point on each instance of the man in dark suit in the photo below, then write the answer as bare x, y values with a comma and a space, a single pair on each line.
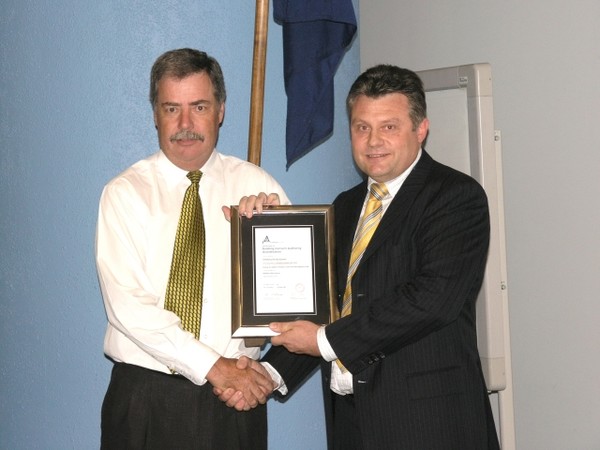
402, 369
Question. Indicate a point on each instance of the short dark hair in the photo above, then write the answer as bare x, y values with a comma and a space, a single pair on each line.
183, 62
387, 79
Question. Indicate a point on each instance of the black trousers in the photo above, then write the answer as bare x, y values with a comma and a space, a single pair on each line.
148, 410
346, 427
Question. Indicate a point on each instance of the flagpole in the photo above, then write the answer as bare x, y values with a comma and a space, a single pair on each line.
258, 81
257, 98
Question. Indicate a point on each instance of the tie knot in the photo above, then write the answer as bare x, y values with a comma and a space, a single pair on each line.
379, 190
194, 176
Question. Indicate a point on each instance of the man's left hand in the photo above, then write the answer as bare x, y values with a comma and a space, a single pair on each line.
299, 336
253, 204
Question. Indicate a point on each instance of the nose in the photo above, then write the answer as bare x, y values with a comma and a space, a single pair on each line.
185, 120
374, 138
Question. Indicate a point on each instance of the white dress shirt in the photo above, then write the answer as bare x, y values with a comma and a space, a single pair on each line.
137, 221
341, 382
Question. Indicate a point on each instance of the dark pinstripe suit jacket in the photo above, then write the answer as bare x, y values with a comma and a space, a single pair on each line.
410, 341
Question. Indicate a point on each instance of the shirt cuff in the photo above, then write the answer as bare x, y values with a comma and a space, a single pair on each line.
281, 387
195, 362
327, 352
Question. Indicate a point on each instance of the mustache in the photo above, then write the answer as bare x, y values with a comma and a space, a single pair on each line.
186, 135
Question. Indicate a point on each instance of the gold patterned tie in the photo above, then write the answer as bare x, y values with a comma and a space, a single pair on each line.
184, 290
367, 225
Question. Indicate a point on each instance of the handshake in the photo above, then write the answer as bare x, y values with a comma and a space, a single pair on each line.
241, 384
245, 383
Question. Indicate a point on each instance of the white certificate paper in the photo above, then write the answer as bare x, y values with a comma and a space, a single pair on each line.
283, 270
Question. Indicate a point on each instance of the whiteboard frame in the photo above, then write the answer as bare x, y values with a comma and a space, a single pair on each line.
486, 168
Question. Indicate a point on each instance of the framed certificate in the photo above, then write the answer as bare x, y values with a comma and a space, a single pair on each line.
282, 268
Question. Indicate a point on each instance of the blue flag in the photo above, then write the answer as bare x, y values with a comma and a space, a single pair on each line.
316, 34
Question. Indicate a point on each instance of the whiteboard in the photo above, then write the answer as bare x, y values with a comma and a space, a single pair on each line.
462, 135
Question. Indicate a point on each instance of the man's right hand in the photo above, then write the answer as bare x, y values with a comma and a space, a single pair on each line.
243, 383
236, 398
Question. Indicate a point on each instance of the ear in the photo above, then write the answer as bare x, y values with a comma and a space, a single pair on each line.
221, 113
422, 130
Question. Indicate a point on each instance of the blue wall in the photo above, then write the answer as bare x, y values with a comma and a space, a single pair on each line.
74, 113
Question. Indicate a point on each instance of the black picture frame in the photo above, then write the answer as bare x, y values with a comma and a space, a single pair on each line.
298, 230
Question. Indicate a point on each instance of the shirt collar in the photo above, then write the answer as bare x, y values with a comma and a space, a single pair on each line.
175, 175
394, 185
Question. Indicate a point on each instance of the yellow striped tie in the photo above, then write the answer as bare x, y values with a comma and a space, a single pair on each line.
184, 290
367, 226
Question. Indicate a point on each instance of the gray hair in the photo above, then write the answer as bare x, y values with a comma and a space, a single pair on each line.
182, 63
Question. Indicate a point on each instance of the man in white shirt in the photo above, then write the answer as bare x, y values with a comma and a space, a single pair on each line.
160, 394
